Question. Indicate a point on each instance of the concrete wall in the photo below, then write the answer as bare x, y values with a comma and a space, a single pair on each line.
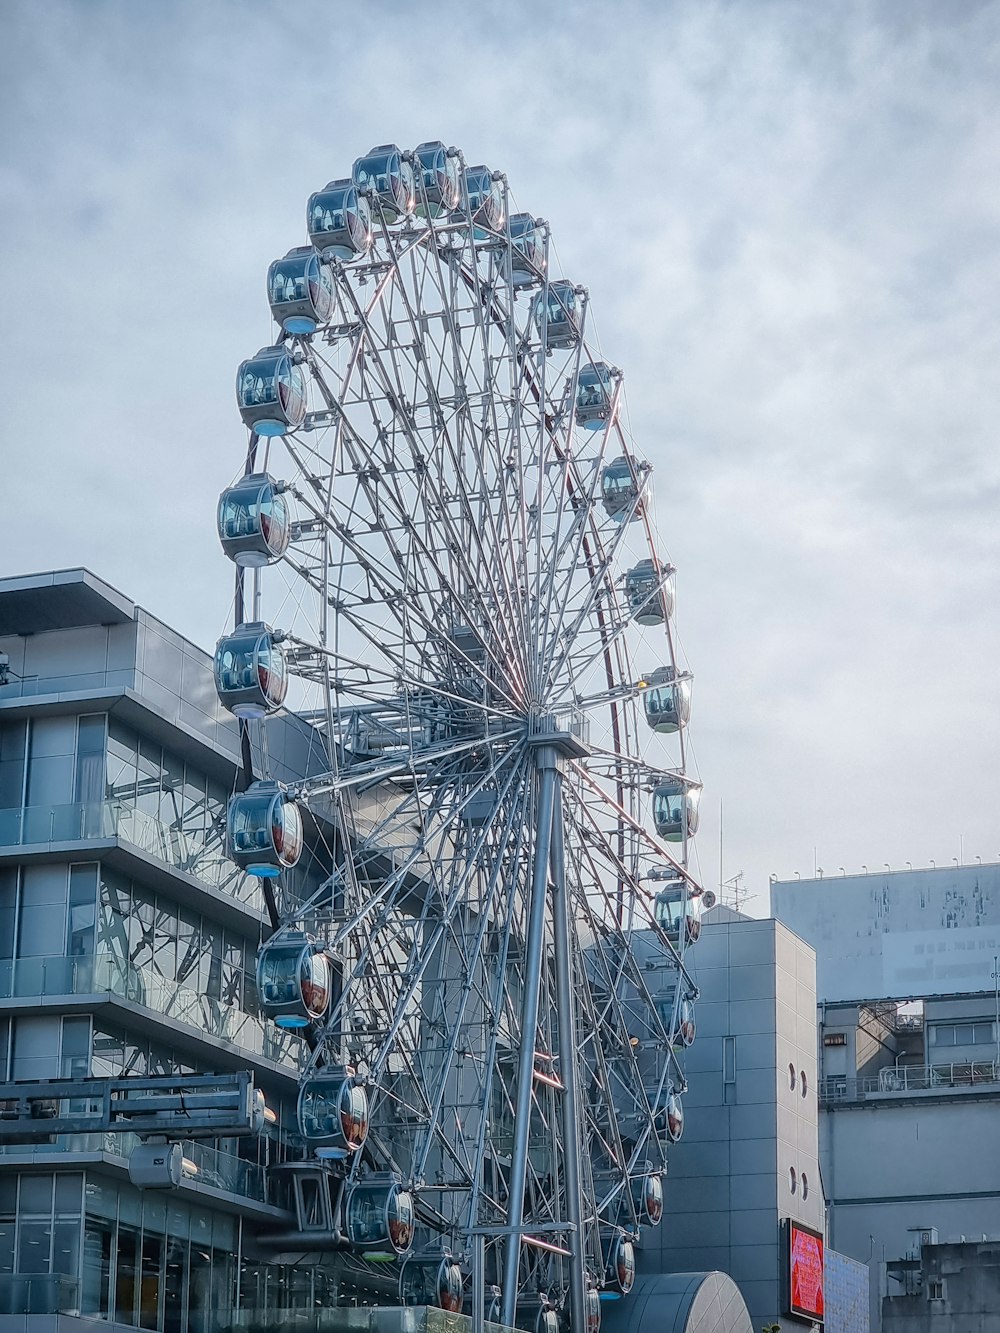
897, 934
893, 1166
728, 1183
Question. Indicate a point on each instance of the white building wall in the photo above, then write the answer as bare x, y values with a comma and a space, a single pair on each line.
899, 933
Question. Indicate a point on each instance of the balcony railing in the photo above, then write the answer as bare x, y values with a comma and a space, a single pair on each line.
903, 1079
202, 1164
38, 1293
27, 978
198, 854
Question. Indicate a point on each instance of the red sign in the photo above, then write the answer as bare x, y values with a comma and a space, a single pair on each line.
805, 1271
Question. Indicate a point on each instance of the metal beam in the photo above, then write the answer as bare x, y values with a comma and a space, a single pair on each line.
199, 1106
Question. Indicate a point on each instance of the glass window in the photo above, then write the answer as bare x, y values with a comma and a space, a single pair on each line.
8, 910
122, 763
141, 929
12, 750
168, 951
148, 778
90, 762
81, 924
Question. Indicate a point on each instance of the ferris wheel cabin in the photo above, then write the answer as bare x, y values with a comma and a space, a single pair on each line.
667, 701
595, 391
333, 1113
387, 179
649, 590
674, 1117
675, 810
439, 181
254, 521
339, 221
300, 290
647, 1196
271, 392
294, 980
559, 315
379, 1219
435, 1281
622, 484
619, 1271
677, 911
264, 830
485, 201
527, 240
251, 677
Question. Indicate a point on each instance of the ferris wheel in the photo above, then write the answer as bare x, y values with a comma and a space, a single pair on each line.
479, 890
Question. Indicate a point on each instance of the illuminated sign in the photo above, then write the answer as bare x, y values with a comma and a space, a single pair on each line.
835, 1039
803, 1272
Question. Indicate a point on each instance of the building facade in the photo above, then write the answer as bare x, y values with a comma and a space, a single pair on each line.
909, 1074
127, 948
749, 1158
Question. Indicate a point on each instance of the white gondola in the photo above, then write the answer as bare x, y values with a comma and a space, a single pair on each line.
387, 178
547, 1319
677, 911
592, 1309
595, 395
333, 1113
649, 590
619, 1270
339, 221
527, 245
294, 979
558, 315
251, 677
432, 1280
675, 809
623, 482
687, 1027
253, 521
485, 202
667, 700
379, 1218
271, 392
264, 830
647, 1196
300, 290
674, 1117
439, 181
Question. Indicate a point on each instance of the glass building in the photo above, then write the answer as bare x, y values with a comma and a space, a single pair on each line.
127, 947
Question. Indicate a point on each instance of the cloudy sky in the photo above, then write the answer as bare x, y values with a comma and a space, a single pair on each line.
787, 216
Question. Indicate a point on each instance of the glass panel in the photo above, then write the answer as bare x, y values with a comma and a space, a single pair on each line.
141, 930
12, 748
125, 1275
149, 776
82, 922
122, 763
98, 1238
34, 1246
151, 1281
8, 910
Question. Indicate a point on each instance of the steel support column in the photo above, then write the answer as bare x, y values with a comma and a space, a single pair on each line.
566, 1015
546, 760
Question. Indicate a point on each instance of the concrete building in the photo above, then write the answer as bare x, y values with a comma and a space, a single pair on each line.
909, 1069
749, 1159
947, 1288
127, 947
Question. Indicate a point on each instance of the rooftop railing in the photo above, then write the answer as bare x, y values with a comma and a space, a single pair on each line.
978, 1075
90, 974
200, 854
